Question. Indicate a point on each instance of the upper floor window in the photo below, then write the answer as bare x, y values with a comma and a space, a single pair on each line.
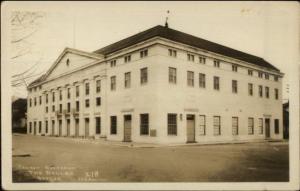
260, 91
144, 75
98, 101
234, 68
250, 89
267, 92
113, 63
190, 78
40, 98
216, 83
60, 94
201, 80
35, 101
276, 78
60, 108
77, 105
113, 83
217, 63
172, 75
260, 74
250, 72
202, 60
98, 86
53, 108
172, 53
53, 96
77, 91
127, 81
266, 76
234, 86
190, 57
30, 102
46, 98
127, 58
276, 93
69, 107
69, 93
87, 103
143, 53
87, 89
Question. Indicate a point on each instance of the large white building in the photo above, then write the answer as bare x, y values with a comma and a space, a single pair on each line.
158, 86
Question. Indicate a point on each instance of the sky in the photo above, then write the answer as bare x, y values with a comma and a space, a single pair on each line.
265, 29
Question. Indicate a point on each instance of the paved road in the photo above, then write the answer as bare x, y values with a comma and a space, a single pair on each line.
67, 160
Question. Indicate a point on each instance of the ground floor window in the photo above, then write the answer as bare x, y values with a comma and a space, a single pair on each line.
202, 125
276, 126
113, 125
46, 126
172, 124
217, 125
260, 126
250, 126
144, 124
30, 127
98, 125
40, 126
235, 125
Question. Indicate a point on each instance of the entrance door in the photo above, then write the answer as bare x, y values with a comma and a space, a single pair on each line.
60, 128
127, 128
267, 126
34, 128
68, 127
76, 127
190, 128
87, 124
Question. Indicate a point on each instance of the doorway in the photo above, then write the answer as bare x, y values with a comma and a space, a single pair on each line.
127, 128
267, 126
190, 128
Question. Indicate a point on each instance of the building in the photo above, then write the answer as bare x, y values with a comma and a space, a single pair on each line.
158, 86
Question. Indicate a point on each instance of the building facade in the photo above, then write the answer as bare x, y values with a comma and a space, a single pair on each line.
158, 86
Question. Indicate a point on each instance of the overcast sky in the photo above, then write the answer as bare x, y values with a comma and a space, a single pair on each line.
265, 29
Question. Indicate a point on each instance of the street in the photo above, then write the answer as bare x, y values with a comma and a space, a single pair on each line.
51, 159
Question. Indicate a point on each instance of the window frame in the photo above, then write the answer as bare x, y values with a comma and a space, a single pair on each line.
172, 124
144, 125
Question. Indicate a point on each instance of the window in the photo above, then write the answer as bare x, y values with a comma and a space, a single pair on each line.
276, 93
40, 98
260, 91
98, 101
77, 106
144, 75
216, 83
127, 80
235, 125
98, 86
217, 125
276, 78
250, 89
172, 75
266, 76
234, 86
67, 62
77, 91
190, 57
144, 124
60, 94
260, 126
87, 89
190, 78
143, 53
201, 80
30, 102
98, 125
250, 126
40, 126
113, 63
217, 63
69, 107
260, 74
172, 124
234, 68
87, 103
202, 125
267, 92
250, 72
113, 83
53, 96
202, 60
68, 93
172, 53
53, 108
30, 127
276, 126
46, 124
46, 109
127, 58
113, 125
60, 108
46, 98
35, 101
